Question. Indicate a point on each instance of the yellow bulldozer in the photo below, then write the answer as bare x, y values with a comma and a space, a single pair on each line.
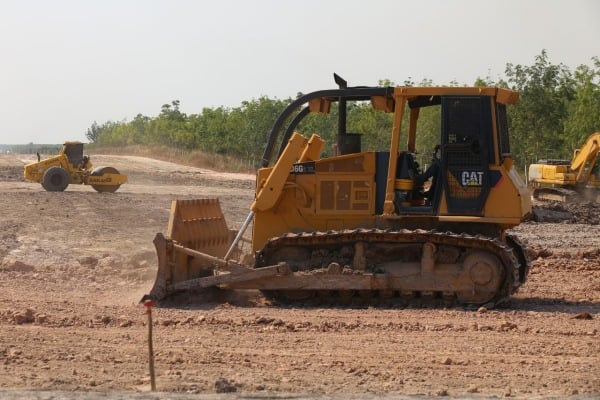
564, 180
71, 166
358, 226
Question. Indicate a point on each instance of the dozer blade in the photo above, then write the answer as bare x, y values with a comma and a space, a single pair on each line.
196, 241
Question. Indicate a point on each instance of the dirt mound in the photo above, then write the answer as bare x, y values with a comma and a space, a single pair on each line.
11, 174
574, 213
590, 254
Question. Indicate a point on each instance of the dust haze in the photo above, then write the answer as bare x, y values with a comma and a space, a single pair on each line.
74, 264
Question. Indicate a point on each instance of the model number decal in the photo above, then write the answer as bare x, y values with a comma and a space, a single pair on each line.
303, 168
297, 169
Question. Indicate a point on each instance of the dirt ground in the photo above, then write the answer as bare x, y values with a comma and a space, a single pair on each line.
73, 266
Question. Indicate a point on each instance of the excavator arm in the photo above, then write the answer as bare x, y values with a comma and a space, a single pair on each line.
585, 158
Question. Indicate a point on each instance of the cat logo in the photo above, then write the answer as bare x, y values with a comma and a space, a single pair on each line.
472, 178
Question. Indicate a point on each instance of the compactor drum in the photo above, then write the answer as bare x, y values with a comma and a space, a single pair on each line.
70, 166
358, 226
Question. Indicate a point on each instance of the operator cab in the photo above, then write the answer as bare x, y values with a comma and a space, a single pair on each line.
461, 172
469, 124
74, 153
75, 156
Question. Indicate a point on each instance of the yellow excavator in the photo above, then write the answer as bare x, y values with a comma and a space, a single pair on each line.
563, 180
357, 227
71, 166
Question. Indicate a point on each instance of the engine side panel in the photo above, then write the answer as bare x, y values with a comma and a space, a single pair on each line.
334, 193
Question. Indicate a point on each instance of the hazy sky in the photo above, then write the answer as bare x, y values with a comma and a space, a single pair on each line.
65, 64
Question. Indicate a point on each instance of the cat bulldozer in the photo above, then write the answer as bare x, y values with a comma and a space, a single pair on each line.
357, 226
71, 166
569, 181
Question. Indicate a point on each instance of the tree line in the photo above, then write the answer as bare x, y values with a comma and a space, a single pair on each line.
558, 109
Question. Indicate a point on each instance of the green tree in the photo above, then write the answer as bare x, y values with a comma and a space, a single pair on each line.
93, 132
557, 111
171, 127
537, 122
374, 125
324, 125
258, 119
138, 130
584, 111
209, 128
171, 112
102, 134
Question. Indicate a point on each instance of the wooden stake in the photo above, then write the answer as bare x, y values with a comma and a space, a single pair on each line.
149, 304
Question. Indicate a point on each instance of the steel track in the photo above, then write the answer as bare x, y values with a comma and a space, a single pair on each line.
511, 254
